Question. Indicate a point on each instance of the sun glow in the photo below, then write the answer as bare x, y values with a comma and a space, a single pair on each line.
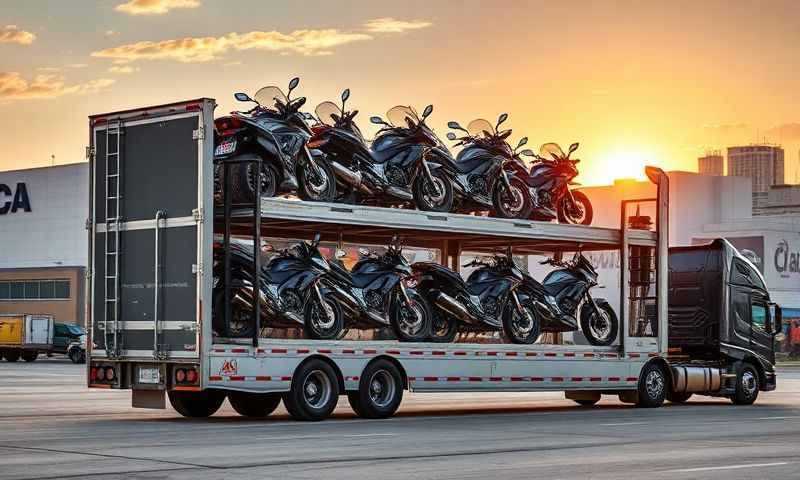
621, 162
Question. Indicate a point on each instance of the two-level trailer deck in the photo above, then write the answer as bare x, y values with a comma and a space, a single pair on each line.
152, 228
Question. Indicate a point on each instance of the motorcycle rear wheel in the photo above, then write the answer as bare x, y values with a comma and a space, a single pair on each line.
243, 187
579, 214
241, 324
443, 328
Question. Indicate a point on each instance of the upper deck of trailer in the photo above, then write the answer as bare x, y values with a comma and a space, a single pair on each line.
281, 217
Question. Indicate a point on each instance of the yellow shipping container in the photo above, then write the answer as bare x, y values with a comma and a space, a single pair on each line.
11, 329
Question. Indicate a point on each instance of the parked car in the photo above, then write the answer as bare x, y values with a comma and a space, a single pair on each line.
64, 334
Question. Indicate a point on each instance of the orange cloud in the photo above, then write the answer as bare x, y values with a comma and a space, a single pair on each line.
12, 34
204, 49
392, 25
123, 69
154, 7
14, 87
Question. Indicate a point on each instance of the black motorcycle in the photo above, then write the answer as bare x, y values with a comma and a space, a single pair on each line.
480, 182
290, 292
564, 294
549, 181
487, 301
375, 294
274, 132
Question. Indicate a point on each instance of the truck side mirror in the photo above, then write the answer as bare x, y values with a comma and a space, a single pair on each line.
775, 318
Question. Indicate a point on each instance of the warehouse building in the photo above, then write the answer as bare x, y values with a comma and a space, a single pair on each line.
43, 241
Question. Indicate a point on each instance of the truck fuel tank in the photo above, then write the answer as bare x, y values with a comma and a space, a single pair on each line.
690, 379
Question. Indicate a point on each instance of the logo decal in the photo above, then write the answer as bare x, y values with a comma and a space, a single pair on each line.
229, 367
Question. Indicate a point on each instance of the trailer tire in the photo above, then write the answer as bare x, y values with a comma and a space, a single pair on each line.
314, 392
254, 405
653, 386
30, 356
380, 391
11, 356
747, 385
674, 397
196, 404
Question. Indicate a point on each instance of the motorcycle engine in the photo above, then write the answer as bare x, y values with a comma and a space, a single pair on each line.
490, 306
397, 177
374, 300
568, 306
292, 301
477, 185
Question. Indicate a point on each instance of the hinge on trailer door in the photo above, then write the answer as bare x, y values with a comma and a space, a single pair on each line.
197, 213
197, 268
90, 152
199, 134
88, 224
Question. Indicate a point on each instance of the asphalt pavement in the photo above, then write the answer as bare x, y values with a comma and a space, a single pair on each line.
51, 426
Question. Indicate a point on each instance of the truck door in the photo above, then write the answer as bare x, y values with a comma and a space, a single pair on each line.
760, 337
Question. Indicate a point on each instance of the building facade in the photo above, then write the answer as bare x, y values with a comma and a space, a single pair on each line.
711, 163
43, 258
763, 164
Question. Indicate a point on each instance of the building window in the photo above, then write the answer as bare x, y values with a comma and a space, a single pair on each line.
35, 290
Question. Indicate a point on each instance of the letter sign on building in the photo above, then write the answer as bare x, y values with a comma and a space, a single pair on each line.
12, 202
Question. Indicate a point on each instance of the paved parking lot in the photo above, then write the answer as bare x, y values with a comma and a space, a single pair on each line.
51, 426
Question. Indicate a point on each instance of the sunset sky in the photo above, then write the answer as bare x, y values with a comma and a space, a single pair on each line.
634, 82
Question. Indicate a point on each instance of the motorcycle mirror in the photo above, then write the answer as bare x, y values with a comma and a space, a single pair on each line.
455, 126
363, 251
340, 253
377, 121
293, 83
522, 141
572, 148
345, 95
428, 110
527, 152
502, 118
451, 136
242, 97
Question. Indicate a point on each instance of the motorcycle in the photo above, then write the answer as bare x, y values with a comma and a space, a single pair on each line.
564, 294
548, 183
377, 293
290, 293
478, 175
273, 133
487, 301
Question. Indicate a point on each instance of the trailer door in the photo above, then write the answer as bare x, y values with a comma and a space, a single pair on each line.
39, 330
151, 179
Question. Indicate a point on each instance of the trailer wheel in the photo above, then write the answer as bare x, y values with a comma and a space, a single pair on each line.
314, 392
30, 356
674, 397
12, 355
746, 385
196, 404
254, 405
380, 391
653, 387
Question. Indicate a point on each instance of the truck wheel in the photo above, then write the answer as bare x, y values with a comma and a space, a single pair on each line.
254, 405
380, 391
678, 397
314, 392
29, 356
746, 385
196, 404
652, 386
12, 355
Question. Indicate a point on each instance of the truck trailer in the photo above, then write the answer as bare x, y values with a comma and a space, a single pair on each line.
152, 232
25, 336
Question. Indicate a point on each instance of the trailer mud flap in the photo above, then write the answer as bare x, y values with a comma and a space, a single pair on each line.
155, 399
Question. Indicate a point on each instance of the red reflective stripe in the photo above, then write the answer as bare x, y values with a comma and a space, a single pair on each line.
610, 355
215, 378
632, 379
613, 379
431, 379
475, 379
286, 379
595, 379
263, 378
370, 351
453, 379
438, 352
495, 379
537, 379
393, 352
576, 379
557, 379
634, 355
531, 354
569, 354
260, 350
491, 354
219, 350
652, 354
303, 350
279, 350
347, 350
412, 378
549, 354
416, 352
236, 378
517, 379
323, 350
511, 354
588, 354
192, 107
459, 353
238, 350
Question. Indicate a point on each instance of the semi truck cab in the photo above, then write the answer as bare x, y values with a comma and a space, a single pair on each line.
721, 314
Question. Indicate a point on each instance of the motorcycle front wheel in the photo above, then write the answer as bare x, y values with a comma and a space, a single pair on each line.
521, 327
600, 330
324, 321
514, 202
578, 213
316, 188
411, 321
430, 197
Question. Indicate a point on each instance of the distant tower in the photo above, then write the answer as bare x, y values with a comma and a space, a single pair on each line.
711, 163
762, 163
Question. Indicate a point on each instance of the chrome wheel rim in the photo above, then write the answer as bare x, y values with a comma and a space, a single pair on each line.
411, 318
515, 206
522, 323
381, 388
749, 383
433, 194
600, 325
654, 384
574, 211
323, 318
317, 389
316, 188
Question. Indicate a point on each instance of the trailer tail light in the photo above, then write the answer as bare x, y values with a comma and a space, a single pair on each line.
180, 375
110, 374
191, 375
93, 374
186, 376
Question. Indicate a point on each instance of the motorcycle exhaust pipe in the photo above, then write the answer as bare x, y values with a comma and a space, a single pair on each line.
400, 193
350, 177
451, 306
